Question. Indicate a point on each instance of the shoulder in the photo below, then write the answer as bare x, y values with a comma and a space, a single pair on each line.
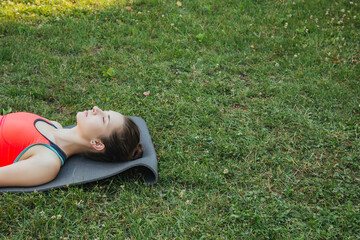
44, 156
47, 158
42, 167
57, 125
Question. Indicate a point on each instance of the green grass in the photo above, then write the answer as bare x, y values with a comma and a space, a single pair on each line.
254, 112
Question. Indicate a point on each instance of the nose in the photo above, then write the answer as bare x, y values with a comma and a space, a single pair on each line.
96, 110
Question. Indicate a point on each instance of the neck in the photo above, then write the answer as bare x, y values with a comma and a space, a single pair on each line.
70, 142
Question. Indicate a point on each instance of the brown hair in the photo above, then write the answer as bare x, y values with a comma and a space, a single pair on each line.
121, 146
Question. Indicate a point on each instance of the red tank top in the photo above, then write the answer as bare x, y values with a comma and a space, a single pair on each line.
18, 133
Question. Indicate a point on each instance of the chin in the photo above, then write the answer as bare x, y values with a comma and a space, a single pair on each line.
78, 117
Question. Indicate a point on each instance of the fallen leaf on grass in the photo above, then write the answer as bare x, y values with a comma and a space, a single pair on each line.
110, 73
128, 8
147, 93
253, 48
179, 3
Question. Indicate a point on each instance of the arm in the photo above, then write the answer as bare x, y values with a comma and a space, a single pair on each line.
36, 170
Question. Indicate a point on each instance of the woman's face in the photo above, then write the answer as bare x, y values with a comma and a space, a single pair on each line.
96, 123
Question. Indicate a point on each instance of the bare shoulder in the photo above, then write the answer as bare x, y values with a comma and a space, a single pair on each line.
48, 156
45, 158
57, 125
41, 167
43, 155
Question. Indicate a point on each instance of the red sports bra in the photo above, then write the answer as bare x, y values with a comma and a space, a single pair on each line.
18, 133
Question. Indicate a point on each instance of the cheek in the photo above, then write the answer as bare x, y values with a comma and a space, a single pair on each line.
89, 129
94, 127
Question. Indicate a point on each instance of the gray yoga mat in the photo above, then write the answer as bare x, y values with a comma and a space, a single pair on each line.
80, 170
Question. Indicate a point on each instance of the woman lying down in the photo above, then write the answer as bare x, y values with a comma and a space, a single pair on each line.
33, 149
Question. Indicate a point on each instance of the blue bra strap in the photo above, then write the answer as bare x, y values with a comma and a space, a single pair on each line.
43, 144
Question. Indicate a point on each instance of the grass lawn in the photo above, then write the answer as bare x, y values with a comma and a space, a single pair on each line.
254, 111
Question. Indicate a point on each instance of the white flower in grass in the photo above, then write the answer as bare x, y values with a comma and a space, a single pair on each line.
226, 171
295, 56
188, 202
181, 194
79, 203
286, 25
277, 64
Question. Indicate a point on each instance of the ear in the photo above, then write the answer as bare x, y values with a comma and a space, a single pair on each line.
97, 145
